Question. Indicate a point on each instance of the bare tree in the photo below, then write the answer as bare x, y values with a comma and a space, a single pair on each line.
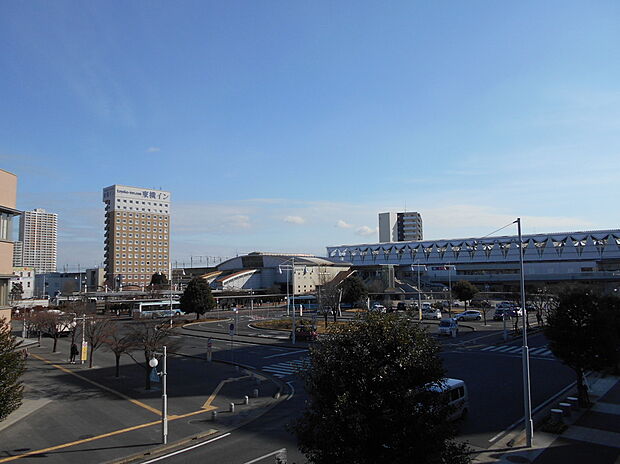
96, 331
118, 344
53, 323
150, 338
330, 294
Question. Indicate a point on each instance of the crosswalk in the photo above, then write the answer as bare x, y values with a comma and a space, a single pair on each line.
541, 351
286, 368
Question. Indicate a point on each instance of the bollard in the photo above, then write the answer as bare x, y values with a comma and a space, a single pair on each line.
213, 415
566, 408
255, 393
232, 407
246, 400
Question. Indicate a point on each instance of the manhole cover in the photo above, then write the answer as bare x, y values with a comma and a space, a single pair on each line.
520, 459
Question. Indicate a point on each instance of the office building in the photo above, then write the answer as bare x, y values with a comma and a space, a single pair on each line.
137, 235
400, 227
8, 194
38, 238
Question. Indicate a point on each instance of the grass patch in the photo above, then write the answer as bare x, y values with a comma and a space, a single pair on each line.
287, 324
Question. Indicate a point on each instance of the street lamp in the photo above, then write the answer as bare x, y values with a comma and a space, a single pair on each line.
529, 426
164, 397
419, 289
290, 267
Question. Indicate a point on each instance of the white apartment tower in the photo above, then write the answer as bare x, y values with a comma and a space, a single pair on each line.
137, 235
38, 237
400, 227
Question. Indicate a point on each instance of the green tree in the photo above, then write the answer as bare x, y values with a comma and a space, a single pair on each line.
12, 366
464, 291
159, 281
582, 333
369, 397
17, 290
197, 297
353, 290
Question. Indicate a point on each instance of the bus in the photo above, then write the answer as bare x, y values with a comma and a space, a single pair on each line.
153, 309
305, 301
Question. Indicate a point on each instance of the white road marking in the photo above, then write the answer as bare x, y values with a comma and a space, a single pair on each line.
265, 456
285, 354
165, 456
290, 384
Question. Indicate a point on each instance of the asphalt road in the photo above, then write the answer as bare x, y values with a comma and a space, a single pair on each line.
493, 374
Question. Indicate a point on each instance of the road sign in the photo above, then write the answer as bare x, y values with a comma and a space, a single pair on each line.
209, 350
84, 354
154, 376
231, 329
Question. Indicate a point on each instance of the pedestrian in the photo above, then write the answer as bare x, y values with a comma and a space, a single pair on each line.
74, 353
539, 318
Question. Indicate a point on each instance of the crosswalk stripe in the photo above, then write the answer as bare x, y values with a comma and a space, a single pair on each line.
515, 349
546, 353
538, 350
488, 348
503, 348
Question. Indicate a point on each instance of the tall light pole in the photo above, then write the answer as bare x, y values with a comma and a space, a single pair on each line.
450, 290
529, 426
419, 289
164, 396
290, 267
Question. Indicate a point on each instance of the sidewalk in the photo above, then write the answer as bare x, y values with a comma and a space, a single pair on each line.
592, 435
74, 414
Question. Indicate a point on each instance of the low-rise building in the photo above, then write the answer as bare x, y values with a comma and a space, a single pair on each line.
8, 196
24, 276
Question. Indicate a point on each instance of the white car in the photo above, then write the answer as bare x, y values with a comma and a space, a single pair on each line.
431, 314
448, 327
469, 315
378, 308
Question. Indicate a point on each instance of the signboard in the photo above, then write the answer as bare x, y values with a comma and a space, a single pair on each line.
209, 350
154, 377
231, 329
84, 354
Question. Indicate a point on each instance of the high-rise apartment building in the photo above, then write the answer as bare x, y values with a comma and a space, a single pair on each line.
137, 235
38, 235
400, 227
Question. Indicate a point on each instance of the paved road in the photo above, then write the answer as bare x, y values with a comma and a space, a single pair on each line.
493, 374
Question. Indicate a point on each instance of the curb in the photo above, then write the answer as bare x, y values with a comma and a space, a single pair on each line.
162, 449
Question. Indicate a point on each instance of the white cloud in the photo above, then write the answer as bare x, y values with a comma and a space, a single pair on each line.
294, 219
343, 225
152, 149
365, 231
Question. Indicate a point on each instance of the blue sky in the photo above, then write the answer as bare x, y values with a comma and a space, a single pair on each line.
287, 126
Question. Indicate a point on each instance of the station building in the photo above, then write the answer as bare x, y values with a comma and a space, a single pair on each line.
585, 256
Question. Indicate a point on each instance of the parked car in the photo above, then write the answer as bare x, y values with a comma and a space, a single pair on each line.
448, 327
305, 333
401, 306
456, 393
378, 308
509, 312
469, 315
431, 314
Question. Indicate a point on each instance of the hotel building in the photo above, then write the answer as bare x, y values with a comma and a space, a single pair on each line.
137, 235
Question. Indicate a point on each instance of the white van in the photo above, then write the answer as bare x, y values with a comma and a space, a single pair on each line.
458, 398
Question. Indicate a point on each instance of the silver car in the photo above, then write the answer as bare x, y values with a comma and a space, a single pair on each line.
469, 315
431, 314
